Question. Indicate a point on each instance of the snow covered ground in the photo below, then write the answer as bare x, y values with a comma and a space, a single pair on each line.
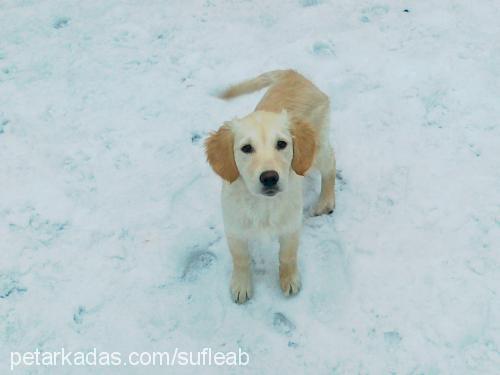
110, 223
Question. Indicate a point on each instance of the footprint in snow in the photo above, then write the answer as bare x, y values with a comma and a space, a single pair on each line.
60, 22
373, 12
282, 324
195, 138
78, 315
3, 124
197, 263
392, 338
341, 183
309, 3
325, 49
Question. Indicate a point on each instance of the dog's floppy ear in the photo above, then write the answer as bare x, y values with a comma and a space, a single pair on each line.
304, 147
220, 153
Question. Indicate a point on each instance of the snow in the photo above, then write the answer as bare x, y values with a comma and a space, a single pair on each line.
110, 222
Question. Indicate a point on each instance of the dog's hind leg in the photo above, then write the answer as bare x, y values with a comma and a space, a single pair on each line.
325, 163
326, 166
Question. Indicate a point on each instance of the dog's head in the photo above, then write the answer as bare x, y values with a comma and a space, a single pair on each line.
262, 149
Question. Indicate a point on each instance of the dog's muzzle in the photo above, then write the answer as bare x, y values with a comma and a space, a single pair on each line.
269, 180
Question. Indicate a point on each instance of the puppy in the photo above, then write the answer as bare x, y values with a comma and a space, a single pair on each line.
262, 158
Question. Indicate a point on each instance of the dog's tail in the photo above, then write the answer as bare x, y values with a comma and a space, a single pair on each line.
254, 84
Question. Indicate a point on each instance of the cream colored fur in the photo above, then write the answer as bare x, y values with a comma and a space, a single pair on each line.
293, 111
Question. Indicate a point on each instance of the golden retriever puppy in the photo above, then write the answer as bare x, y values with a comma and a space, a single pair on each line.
262, 159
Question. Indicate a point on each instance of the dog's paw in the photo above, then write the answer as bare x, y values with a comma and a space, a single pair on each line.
290, 282
241, 288
324, 207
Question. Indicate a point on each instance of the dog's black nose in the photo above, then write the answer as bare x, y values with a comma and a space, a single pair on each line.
269, 178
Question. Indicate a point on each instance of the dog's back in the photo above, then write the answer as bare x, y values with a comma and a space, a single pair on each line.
288, 90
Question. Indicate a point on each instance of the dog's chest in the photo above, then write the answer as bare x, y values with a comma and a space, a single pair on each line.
249, 216
265, 215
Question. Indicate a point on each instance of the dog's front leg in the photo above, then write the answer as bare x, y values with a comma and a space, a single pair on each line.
241, 281
289, 272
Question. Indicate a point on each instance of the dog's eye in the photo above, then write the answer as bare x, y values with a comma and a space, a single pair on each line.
247, 149
280, 145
